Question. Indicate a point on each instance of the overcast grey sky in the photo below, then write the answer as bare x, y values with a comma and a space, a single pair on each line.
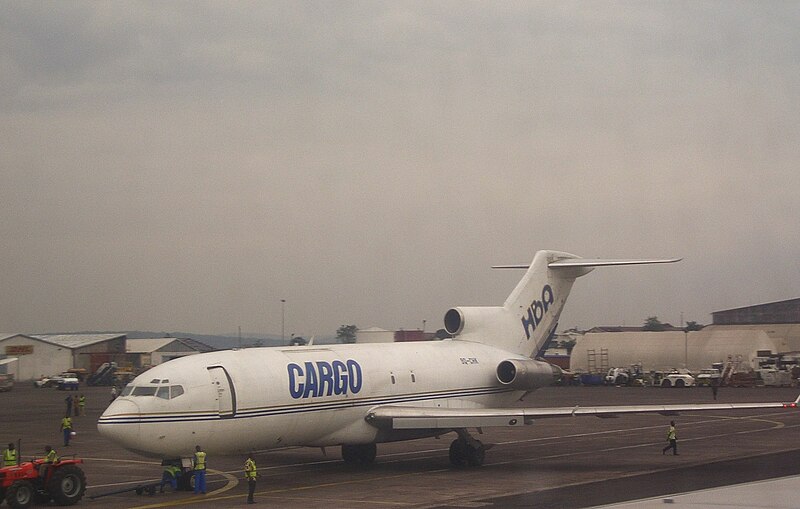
186, 165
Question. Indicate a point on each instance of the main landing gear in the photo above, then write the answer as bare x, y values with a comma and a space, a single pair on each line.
359, 454
466, 451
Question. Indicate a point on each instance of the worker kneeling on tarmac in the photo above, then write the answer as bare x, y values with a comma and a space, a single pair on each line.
170, 476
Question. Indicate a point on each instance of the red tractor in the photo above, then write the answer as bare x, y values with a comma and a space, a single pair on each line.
39, 481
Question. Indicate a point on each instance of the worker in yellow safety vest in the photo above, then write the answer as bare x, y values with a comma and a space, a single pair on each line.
250, 473
50, 458
170, 476
10, 456
199, 471
66, 428
672, 438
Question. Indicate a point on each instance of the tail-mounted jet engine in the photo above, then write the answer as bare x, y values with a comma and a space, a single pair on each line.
527, 374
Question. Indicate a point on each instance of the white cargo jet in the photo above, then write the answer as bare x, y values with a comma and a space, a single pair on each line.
358, 395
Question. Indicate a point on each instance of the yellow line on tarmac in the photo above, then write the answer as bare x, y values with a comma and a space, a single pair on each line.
232, 483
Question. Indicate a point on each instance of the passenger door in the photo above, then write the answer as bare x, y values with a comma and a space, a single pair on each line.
226, 393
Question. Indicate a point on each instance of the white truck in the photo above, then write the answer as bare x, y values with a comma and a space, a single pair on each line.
676, 379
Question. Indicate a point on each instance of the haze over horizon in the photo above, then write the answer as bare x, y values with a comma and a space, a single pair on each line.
187, 165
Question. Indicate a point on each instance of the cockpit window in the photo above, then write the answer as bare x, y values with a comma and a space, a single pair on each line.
163, 392
144, 391
155, 381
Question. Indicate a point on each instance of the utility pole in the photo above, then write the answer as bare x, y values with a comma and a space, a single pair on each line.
283, 319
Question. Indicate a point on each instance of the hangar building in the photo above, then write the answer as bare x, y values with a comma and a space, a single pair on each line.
49, 354
141, 353
740, 334
657, 351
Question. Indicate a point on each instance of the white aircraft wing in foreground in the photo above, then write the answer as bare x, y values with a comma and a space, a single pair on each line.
397, 417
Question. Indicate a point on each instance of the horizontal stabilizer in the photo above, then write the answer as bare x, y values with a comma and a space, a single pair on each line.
589, 262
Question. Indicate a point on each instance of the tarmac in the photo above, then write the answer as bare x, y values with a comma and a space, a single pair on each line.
569, 462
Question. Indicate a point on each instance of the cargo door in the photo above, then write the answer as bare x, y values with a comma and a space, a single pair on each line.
226, 393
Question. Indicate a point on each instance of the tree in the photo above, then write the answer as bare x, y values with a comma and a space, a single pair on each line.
346, 333
653, 324
690, 326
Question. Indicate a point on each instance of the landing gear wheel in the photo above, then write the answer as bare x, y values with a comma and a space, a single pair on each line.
359, 454
476, 453
467, 453
67, 485
458, 453
20, 495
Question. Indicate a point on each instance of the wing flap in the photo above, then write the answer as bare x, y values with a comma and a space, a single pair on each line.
404, 417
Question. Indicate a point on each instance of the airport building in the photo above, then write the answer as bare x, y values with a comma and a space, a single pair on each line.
739, 335
141, 353
50, 354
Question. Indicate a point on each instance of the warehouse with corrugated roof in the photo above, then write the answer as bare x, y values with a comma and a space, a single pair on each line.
49, 354
147, 352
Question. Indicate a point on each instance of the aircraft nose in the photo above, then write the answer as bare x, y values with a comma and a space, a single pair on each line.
120, 422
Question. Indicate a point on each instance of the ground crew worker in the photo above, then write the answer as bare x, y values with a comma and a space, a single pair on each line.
170, 476
50, 457
199, 471
82, 405
672, 437
250, 473
66, 428
68, 401
10, 456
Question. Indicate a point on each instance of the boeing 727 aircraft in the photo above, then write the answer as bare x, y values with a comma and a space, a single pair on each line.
358, 395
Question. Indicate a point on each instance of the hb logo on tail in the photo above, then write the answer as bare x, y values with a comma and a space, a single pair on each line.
537, 310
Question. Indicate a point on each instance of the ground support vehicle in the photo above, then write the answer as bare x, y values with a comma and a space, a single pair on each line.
625, 376
39, 482
677, 380
68, 384
709, 377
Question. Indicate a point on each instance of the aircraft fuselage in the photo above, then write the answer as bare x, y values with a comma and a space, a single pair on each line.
262, 398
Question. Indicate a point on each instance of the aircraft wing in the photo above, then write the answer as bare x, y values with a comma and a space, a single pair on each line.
405, 417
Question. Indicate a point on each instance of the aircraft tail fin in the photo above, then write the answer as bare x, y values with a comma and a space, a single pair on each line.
529, 316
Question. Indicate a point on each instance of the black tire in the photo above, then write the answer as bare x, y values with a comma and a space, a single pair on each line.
67, 485
359, 454
476, 454
458, 453
666, 383
680, 383
20, 495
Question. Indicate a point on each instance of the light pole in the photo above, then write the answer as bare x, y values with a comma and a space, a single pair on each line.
283, 318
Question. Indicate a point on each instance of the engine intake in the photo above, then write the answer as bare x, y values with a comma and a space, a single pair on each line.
527, 374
